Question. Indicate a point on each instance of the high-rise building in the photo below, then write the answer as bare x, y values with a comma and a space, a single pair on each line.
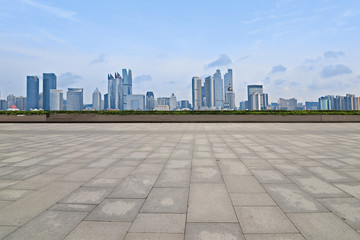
196, 93
41, 101
184, 104
326, 103
56, 100
163, 101
74, 99
106, 101
21, 103
242, 105
255, 99
203, 96
119, 84
3, 105
264, 101
150, 101
218, 90
351, 102
11, 100
96, 100
230, 97
312, 105
135, 102
209, 92
228, 81
173, 102
49, 82
288, 104
111, 92
32, 93
127, 86
253, 89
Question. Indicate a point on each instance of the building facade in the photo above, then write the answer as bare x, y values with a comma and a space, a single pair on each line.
32, 92
150, 101
49, 82
196, 93
135, 102
209, 92
56, 100
218, 90
228, 81
74, 99
173, 102
96, 100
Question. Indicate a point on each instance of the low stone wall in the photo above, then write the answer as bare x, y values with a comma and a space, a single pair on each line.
94, 118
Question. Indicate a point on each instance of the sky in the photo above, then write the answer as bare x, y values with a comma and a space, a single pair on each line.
295, 48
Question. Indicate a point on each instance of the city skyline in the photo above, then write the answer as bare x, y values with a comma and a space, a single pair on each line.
301, 49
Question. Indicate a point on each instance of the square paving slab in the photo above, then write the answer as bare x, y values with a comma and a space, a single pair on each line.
205, 181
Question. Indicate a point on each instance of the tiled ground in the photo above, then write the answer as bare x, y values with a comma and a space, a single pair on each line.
180, 181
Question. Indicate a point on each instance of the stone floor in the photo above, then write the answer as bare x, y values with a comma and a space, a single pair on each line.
180, 181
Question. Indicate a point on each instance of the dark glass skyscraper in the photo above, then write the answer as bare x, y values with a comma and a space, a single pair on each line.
150, 101
32, 92
49, 82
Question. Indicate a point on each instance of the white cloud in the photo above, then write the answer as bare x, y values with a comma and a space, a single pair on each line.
58, 12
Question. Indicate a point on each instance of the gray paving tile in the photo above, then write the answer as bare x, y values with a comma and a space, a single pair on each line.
12, 194
252, 199
174, 178
116, 172
37, 181
317, 187
213, 231
23, 210
99, 230
134, 186
327, 226
87, 195
270, 176
119, 210
264, 220
210, 203
166, 200
291, 198
103, 182
274, 237
154, 236
6, 230
7, 183
49, 225
72, 207
233, 167
351, 188
243, 184
206, 175
330, 175
81, 175
148, 169
348, 209
158, 223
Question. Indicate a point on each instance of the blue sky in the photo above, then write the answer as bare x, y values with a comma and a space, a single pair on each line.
296, 48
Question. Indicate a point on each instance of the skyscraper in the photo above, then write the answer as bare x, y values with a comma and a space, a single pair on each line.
49, 82
196, 93
32, 92
209, 92
74, 99
135, 102
173, 103
218, 90
56, 100
251, 90
228, 81
127, 86
96, 100
21, 103
11, 100
255, 99
111, 92
119, 101
230, 96
150, 101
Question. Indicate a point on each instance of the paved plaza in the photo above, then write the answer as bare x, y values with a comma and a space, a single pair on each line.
220, 181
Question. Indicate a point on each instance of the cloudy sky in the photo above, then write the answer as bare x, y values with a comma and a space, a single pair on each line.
296, 48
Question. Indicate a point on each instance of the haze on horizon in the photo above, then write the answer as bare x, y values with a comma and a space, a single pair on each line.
296, 48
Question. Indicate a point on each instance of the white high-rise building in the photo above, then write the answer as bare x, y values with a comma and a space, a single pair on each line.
228, 81
230, 96
56, 100
96, 100
135, 102
173, 103
196, 93
74, 99
218, 90
209, 92
256, 101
